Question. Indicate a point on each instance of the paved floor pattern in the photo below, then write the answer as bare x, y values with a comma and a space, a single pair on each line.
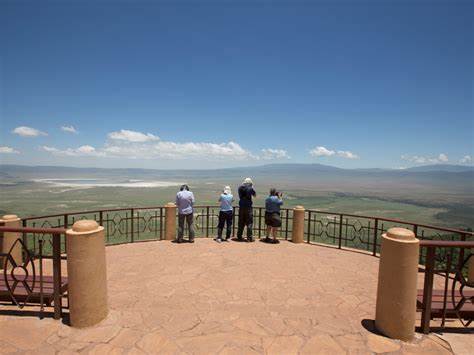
230, 298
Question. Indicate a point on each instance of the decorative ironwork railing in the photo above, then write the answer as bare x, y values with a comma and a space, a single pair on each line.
128, 225
25, 279
452, 296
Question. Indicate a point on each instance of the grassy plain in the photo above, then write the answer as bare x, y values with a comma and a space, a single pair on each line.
429, 199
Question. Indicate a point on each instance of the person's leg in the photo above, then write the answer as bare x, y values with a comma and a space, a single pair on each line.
249, 222
267, 235
220, 225
189, 220
180, 227
240, 229
228, 221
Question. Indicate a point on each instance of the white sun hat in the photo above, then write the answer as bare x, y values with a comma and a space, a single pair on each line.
248, 181
227, 190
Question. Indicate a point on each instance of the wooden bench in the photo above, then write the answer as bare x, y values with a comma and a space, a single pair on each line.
21, 293
437, 304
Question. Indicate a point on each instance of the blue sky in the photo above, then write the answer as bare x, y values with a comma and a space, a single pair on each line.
206, 84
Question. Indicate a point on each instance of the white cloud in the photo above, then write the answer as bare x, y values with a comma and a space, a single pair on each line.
172, 150
167, 150
465, 159
321, 152
443, 158
325, 152
418, 159
69, 129
271, 154
8, 150
24, 131
137, 145
347, 154
84, 150
132, 136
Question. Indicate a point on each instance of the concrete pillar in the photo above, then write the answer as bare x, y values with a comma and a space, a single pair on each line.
170, 221
9, 238
397, 284
298, 225
87, 274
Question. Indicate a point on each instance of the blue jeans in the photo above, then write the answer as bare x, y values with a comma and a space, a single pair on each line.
225, 217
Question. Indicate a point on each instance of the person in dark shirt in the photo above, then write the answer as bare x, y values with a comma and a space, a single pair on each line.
246, 192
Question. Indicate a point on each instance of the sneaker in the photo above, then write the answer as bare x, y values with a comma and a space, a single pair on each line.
218, 240
250, 239
179, 241
191, 240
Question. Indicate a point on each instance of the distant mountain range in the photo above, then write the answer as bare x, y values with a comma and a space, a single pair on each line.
268, 168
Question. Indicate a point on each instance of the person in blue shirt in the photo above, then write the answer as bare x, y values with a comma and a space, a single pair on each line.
225, 214
185, 202
272, 215
246, 192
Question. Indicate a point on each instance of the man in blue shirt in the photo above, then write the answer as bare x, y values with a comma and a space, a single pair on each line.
225, 214
272, 215
185, 202
246, 192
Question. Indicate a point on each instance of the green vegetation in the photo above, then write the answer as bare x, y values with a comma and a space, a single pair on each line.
441, 199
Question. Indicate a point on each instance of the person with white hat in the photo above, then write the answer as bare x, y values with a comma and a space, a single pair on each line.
225, 214
246, 192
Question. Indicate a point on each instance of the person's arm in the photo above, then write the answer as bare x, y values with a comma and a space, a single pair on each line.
220, 198
176, 201
253, 192
192, 199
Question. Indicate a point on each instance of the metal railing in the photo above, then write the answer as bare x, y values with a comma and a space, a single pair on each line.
455, 298
342, 230
24, 281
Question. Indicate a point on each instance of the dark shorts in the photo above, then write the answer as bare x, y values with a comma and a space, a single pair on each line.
272, 219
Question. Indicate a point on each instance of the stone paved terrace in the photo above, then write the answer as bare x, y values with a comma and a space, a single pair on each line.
230, 298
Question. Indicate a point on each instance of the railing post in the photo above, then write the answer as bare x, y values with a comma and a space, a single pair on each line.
308, 233
161, 223
57, 276
234, 209
9, 238
376, 231
132, 225
87, 274
395, 312
340, 231
170, 221
428, 290
207, 221
298, 224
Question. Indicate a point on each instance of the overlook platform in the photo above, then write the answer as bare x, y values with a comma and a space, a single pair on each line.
229, 298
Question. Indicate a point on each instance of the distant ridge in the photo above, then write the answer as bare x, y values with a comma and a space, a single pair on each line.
449, 168
267, 168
